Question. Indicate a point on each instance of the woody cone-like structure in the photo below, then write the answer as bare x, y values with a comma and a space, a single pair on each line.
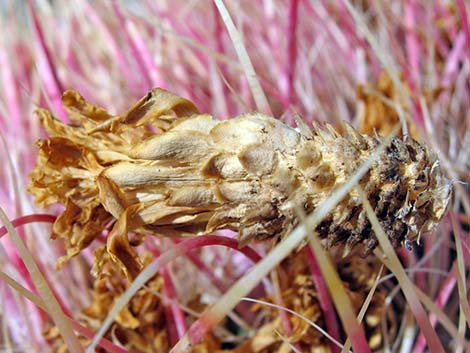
163, 168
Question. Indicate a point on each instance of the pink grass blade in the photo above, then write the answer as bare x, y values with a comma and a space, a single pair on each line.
109, 40
412, 43
171, 300
342, 302
10, 89
291, 50
443, 319
324, 299
285, 322
53, 307
441, 300
216, 282
134, 44
464, 14
34, 218
46, 67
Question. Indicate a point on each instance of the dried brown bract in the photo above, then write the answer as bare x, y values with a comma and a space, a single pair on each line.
164, 168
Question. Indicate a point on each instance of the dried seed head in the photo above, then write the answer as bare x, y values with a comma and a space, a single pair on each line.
197, 175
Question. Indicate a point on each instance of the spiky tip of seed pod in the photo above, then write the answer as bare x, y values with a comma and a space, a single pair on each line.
406, 188
198, 174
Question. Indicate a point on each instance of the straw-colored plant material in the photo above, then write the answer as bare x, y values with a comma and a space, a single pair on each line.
381, 104
199, 174
299, 293
142, 325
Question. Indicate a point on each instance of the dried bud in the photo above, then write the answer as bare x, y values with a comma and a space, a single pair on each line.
198, 174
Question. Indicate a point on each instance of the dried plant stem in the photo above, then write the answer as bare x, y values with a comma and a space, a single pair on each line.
461, 283
104, 343
262, 104
365, 306
335, 342
287, 327
393, 263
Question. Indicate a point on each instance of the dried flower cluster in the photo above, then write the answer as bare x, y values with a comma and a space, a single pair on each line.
165, 169
299, 293
379, 110
142, 326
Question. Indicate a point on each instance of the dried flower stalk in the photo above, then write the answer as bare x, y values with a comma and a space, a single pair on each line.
198, 174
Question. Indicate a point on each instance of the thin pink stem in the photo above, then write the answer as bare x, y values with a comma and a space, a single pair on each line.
217, 282
219, 46
33, 218
412, 44
177, 315
46, 67
10, 90
412, 71
206, 240
136, 54
201, 326
465, 23
324, 299
11, 250
170, 320
110, 41
291, 50
284, 315
441, 300
15, 259
146, 59
452, 61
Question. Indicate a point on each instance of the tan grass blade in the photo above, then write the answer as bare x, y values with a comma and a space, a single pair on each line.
444, 320
461, 279
52, 305
342, 301
365, 306
393, 263
261, 101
